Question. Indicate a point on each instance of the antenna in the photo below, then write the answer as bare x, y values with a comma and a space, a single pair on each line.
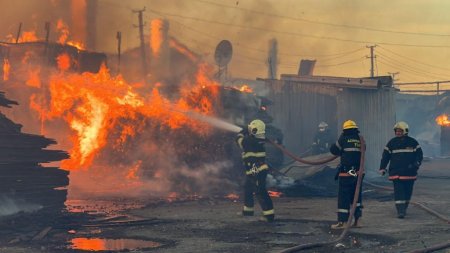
222, 56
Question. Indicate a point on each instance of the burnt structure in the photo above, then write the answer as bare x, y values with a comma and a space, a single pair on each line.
302, 102
24, 183
46, 54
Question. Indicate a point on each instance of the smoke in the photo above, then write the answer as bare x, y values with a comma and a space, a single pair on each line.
9, 206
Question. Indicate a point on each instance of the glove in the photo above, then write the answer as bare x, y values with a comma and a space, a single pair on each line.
244, 131
382, 172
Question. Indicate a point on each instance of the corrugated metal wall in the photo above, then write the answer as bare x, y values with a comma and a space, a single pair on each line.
298, 108
374, 113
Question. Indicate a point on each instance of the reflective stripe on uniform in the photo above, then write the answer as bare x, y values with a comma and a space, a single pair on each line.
342, 210
269, 212
248, 209
254, 171
400, 202
253, 154
402, 177
405, 150
352, 149
387, 149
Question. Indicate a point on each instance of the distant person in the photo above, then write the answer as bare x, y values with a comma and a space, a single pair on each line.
252, 141
348, 147
322, 139
405, 157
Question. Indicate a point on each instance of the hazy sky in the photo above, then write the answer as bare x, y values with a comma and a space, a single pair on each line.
412, 36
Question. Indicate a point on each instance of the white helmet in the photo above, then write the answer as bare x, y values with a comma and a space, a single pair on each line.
257, 128
323, 125
403, 126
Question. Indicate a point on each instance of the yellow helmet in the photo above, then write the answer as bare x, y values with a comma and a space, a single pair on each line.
257, 128
402, 125
349, 124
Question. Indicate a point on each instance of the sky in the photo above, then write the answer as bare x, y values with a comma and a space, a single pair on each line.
411, 37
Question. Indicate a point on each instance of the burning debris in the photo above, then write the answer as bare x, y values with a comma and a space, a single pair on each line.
444, 122
140, 137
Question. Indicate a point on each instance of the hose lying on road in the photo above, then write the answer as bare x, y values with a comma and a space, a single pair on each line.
420, 205
433, 248
352, 210
355, 199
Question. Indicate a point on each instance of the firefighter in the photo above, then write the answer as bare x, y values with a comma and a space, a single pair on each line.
322, 139
348, 147
405, 157
252, 141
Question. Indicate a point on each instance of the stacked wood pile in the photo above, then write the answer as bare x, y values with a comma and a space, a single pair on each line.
22, 178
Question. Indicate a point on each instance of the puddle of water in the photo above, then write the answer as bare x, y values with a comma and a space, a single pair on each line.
98, 244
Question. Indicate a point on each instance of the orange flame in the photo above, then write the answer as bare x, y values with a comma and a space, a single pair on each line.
63, 30
63, 62
275, 194
6, 69
33, 79
78, 24
232, 196
157, 38
26, 36
92, 105
443, 120
244, 88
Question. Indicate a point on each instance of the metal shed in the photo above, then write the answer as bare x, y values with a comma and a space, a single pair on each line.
301, 102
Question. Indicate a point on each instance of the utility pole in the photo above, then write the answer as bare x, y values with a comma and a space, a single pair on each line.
119, 42
141, 36
372, 57
47, 35
18, 33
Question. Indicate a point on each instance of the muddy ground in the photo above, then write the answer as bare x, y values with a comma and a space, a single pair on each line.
211, 225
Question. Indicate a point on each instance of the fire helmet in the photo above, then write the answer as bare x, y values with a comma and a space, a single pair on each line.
257, 128
403, 126
349, 124
323, 125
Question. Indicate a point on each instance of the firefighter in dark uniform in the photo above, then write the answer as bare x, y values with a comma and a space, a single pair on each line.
322, 139
405, 157
348, 147
252, 142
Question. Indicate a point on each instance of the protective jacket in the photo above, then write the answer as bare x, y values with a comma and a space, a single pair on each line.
253, 153
405, 156
348, 147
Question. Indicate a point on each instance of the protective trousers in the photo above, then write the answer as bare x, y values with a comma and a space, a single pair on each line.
402, 194
257, 184
347, 187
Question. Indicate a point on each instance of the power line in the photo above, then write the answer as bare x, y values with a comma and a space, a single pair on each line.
324, 23
341, 63
429, 65
297, 34
411, 67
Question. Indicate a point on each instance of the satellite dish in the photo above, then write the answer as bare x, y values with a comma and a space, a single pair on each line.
223, 53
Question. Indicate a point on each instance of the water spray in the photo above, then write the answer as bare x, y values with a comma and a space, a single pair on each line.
216, 122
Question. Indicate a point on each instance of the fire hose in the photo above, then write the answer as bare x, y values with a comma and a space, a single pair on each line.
291, 155
429, 210
355, 197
